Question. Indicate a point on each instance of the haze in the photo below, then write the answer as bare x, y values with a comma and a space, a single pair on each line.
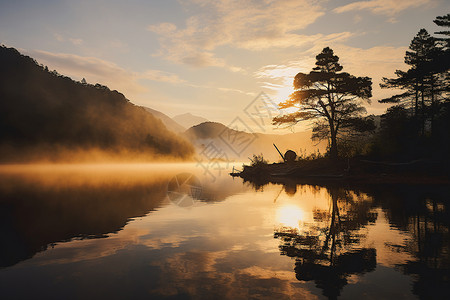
213, 58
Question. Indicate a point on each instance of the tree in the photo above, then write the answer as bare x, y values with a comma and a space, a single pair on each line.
426, 82
443, 21
443, 59
413, 81
330, 98
328, 251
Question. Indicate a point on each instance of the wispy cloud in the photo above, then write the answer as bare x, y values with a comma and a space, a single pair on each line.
375, 62
284, 73
385, 7
222, 89
76, 41
96, 70
252, 25
160, 76
73, 41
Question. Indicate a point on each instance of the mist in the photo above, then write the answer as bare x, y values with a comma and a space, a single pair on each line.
45, 116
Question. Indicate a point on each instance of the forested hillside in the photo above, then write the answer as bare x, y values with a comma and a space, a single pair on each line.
43, 110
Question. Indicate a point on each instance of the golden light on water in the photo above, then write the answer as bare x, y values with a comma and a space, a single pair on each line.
290, 215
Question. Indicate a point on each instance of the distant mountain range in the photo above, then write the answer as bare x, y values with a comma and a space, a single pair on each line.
227, 144
178, 123
167, 121
238, 145
43, 113
188, 120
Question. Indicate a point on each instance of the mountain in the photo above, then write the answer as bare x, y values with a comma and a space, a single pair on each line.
188, 120
43, 113
239, 145
167, 121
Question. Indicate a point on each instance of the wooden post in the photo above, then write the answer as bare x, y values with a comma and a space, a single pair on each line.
279, 152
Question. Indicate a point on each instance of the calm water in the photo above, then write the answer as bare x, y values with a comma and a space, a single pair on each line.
170, 231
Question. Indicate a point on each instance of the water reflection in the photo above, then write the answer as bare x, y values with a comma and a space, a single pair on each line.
42, 208
424, 214
327, 251
116, 233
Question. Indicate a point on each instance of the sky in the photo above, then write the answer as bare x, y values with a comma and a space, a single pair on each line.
216, 59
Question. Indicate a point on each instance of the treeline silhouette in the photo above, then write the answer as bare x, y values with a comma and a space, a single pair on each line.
41, 110
416, 126
418, 123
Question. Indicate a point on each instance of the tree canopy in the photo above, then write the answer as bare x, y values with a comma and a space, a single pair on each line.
426, 82
332, 99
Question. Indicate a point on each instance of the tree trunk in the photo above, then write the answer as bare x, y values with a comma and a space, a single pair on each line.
423, 109
432, 108
416, 104
333, 146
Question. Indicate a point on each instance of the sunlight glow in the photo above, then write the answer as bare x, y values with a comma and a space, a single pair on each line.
290, 216
284, 92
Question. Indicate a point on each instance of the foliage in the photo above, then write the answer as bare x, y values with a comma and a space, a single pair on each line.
258, 161
39, 107
418, 124
302, 156
426, 83
330, 98
324, 250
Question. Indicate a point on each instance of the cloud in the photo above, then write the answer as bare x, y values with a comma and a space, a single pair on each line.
96, 70
58, 37
384, 7
76, 41
252, 25
291, 40
281, 74
375, 62
222, 89
73, 41
160, 76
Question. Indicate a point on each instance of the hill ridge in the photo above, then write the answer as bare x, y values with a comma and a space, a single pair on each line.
39, 107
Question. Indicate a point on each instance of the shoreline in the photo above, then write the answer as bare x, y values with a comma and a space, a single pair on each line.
351, 171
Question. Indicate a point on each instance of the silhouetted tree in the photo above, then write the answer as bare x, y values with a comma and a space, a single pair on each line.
413, 80
423, 212
325, 251
443, 21
397, 137
443, 59
329, 97
426, 82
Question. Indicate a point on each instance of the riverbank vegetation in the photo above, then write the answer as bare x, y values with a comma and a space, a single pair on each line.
412, 138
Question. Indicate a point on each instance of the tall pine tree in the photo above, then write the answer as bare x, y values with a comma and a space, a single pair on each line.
420, 81
330, 98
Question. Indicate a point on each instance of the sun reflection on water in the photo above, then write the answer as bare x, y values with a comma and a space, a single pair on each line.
290, 215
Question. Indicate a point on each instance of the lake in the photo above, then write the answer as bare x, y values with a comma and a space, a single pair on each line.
179, 231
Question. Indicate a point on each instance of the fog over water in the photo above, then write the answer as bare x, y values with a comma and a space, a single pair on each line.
177, 231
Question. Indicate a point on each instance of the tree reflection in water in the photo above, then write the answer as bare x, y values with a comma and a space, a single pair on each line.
423, 213
327, 251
